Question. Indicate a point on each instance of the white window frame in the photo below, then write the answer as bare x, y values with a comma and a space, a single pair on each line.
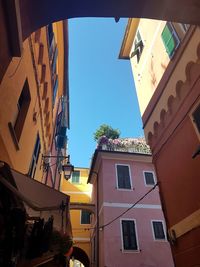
154, 177
136, 235
79, 182
81, 217
164, 229
130, 176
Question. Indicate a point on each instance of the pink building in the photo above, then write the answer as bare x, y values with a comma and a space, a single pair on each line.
137, 237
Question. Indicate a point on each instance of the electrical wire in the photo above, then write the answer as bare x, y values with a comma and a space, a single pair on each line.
113, 220
124, 212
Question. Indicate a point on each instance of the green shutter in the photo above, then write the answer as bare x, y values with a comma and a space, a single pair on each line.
168, 40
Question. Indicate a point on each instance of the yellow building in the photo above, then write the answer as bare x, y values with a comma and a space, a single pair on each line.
150, 45
80, 200
30, 93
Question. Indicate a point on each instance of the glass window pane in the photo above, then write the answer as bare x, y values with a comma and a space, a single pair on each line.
149, 178
158, 230
76, 177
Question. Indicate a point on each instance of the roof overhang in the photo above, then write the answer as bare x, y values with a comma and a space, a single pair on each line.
114, 155
128, 39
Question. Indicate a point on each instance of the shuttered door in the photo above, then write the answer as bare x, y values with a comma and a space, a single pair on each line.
123, 176
158, 230
129, 235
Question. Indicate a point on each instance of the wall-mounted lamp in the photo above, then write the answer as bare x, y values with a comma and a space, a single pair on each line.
67, 168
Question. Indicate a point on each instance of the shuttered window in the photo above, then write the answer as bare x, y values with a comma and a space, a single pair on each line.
76, 177
85, 217
158, 229
35, 157
129, 235
149, 178
170, 39
123, 177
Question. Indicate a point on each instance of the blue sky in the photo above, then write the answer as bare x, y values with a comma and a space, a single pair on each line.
101, 86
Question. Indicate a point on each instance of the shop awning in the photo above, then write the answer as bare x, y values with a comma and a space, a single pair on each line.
38, 199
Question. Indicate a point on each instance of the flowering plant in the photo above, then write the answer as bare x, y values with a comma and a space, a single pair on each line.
137, 145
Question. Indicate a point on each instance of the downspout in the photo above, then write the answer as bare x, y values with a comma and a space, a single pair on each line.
97, 225
97, 220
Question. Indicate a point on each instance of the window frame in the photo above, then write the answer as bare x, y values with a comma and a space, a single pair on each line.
22, 110
138, 46
174, 35
35, 157
122, 237
164, 230
79, 177
130, 177
82, 211
154, 177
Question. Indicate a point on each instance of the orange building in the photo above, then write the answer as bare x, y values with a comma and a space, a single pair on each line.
165, 60
31, 94
34, 117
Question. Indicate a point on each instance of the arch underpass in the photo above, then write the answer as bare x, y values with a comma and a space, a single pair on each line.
80, 255
20, 18
35, 14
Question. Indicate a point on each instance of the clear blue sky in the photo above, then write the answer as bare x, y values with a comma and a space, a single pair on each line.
101, 86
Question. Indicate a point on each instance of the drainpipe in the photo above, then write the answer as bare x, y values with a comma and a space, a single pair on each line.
97, 225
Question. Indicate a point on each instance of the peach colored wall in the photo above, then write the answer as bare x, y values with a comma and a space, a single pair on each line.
153, 61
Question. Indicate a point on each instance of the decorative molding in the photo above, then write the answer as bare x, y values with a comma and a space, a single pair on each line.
128, 205
192, 71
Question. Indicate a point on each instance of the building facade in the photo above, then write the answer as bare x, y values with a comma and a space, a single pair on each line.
165, 63
34, 91
127, 231
80, 212
34, 116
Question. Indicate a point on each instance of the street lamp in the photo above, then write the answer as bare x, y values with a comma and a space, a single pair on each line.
67, 168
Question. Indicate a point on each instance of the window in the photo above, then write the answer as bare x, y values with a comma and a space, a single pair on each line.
158, 230
170, 39
55, 89
149, 178
196, 118
138, 47
129, 235
22, 110
76, 177
35, 157
85, 217
123, 177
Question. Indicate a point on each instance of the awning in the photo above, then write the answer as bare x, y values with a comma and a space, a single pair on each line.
38, 199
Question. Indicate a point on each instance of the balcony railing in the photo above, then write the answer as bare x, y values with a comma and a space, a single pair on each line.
131, 145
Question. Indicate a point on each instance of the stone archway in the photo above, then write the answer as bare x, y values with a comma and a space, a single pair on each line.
80, 255
35, 14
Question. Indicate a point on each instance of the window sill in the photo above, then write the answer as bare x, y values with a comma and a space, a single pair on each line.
130, 251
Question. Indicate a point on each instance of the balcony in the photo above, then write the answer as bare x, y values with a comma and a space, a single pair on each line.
131, 145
